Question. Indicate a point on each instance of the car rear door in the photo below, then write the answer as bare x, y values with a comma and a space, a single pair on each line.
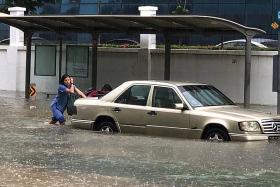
164, 118
130, 109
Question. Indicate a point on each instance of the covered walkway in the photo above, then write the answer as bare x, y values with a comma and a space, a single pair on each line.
169, 26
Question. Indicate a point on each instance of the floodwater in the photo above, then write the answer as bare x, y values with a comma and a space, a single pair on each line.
33, 153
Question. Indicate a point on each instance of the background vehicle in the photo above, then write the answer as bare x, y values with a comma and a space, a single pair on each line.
256, 42
178, 109
34, 40
123, 42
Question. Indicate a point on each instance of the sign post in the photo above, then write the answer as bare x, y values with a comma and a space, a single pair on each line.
275, 26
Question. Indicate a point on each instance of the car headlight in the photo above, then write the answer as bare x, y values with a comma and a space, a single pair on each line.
249, 126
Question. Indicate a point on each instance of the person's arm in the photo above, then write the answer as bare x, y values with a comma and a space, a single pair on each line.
71, 89
80, 92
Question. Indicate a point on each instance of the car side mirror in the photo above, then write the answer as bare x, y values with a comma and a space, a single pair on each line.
180, 106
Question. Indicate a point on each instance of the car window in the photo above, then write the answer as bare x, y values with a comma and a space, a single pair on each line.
135, 95
204, 95
165, 97
239, 44
228, 45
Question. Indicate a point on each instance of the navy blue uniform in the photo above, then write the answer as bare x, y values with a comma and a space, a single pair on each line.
59, 104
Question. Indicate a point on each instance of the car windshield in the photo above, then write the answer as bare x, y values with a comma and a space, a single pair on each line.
204, 95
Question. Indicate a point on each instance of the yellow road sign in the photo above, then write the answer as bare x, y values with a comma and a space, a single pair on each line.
274, 25
32, 91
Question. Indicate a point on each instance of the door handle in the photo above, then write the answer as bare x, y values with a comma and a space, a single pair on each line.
152, 113
116, 109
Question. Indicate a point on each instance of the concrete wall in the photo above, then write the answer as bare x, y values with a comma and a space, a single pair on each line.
223, 69
12, 68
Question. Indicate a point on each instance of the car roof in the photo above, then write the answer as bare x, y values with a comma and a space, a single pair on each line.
242, 40
164, 82
117, 91
123, 40
259, 42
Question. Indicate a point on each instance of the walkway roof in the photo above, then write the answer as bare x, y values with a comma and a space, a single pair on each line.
126, 24
168, 25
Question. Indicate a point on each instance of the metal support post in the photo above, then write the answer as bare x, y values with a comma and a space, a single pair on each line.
247, 79
94, 60
28, 36
167, 57
60, 57
278, 82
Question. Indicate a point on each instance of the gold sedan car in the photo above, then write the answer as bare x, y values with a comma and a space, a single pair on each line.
175, 109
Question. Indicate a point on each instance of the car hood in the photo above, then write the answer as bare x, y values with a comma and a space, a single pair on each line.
235, 113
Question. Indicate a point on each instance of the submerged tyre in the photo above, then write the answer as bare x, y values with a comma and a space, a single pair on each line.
107, 127
216, 135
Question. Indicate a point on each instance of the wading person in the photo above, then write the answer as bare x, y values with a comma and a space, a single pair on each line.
59, 103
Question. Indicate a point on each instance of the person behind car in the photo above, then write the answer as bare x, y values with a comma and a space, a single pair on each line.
99, 93
59, 103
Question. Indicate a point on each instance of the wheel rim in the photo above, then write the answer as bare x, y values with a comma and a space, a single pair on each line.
215, 137
106, 129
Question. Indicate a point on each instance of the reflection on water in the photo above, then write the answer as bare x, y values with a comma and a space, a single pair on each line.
34, 153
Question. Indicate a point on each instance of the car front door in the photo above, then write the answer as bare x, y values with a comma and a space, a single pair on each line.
164, 118
130, 109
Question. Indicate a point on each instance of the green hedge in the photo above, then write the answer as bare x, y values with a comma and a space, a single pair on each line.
206, 47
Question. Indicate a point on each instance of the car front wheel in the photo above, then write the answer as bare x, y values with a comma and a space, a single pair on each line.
217, 135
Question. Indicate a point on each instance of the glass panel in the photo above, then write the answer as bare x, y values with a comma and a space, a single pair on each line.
45, 60
84, 38
206, 1
89, 9
110, 1
206, 9
49, 8
69, 9
233, 1
161, 1
77, 61
233, 12
165, 98
256, 12
70, 2
204, 95
135, 95
4, 37
131, 9
110, 9
89, 1
268, 2
133, 1
163, 9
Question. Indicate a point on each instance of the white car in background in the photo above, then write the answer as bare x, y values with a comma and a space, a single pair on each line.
256, 42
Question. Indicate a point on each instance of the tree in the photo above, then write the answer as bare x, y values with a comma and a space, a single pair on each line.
30, 5
181, 9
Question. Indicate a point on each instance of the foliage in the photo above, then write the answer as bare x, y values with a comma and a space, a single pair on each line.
30, 5
118, 46
181, 8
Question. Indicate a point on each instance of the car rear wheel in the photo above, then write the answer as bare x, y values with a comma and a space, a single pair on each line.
107, 127
217, 135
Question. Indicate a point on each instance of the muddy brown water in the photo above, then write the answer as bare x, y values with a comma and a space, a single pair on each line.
33, 153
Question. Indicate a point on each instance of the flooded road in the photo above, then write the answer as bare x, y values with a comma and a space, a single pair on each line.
33, 153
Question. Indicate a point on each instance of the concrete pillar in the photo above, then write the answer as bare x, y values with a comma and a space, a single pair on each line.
16, 35
144, 57
148, 40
